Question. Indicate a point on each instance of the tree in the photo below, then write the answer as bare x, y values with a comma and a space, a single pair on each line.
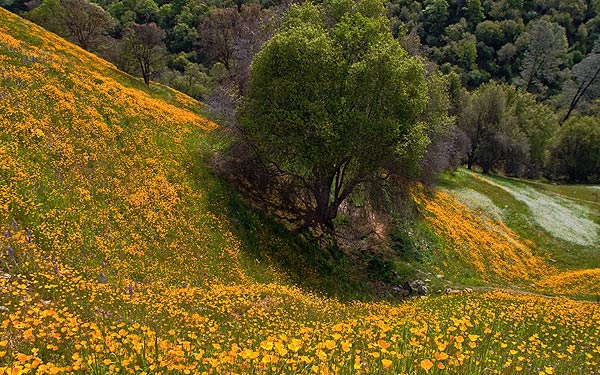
88, 23
84, 23
434, 20
146, 45
232, 36
484, 110
50, 15
441, 153
492, 130
507, 129
474, 12
546, 51
585, 82
537, 121
218, 34
333, 102
575, 151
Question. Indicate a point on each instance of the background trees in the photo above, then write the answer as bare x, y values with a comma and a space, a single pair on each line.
585, 82
546, 52
506, 130
334, 101
146, 45
575, 151
88, 23
84, 23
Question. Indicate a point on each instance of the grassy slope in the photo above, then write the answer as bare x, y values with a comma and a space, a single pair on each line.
122, 253
553, 232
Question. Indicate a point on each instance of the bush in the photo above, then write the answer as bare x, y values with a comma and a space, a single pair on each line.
575, 151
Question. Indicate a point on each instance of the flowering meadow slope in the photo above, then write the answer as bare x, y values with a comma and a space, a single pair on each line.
115, 257
508, 232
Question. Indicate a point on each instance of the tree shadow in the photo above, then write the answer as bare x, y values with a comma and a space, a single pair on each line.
297, 256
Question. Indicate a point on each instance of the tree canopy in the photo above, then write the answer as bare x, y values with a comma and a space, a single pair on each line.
334, 101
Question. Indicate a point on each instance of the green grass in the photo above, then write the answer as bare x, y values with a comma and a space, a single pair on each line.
518, 216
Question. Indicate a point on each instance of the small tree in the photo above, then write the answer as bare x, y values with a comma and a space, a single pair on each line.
219, 33
495, 135
233, 36
146, 45
585, 83
84, 23
538, 122
333, 101
88, 23
546, 51
483, 111
575, 151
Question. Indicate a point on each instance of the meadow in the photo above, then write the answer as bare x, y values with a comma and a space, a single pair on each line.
122, 253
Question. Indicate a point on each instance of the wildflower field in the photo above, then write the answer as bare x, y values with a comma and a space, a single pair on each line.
119, 253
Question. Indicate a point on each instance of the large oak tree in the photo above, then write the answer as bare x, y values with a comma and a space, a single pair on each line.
333, 102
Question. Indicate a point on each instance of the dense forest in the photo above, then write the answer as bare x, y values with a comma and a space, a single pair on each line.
517, 82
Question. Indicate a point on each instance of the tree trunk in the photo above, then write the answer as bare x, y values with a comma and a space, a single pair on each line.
578, 95
470, 160
324, 212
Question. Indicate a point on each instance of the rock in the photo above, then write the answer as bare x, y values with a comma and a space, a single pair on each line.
419, 286
4, 308
468, 290
400, 291
452, 291
439, 276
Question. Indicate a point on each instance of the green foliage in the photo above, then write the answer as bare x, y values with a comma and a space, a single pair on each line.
332, 104
575, 151
474, 12
84, 23
537, 121
404, 246
50, 15
434, 19
507, 129
546, 51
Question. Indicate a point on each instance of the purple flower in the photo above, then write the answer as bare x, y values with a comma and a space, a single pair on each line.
11, 253
28, 232
15, 227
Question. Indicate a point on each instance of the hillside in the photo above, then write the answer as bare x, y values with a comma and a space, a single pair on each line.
122, 253
509, 232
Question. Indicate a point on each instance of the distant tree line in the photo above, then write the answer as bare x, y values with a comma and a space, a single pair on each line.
550, 48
